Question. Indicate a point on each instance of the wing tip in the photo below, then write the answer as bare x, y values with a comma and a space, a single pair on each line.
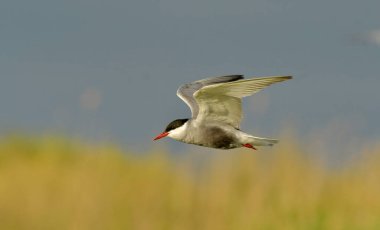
284, 78
287, 77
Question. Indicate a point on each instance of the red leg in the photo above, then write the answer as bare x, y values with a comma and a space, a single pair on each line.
249, 146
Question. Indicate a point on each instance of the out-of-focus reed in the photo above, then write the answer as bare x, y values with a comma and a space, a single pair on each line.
53, 183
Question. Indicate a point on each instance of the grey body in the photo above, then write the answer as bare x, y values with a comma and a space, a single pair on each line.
215, 135
211, 135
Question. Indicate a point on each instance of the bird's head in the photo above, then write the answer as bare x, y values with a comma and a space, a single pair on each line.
172, 128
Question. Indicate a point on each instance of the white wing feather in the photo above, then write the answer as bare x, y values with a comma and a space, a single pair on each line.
222, 102
186, 91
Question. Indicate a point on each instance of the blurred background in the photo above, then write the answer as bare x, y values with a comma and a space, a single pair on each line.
92, 71
111, 69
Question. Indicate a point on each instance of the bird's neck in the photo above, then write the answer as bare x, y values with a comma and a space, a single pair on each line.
179, 133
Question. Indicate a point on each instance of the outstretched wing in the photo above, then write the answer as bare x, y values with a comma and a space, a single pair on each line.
186, 91
222, 102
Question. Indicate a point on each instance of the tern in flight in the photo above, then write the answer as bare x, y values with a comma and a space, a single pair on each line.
216, 109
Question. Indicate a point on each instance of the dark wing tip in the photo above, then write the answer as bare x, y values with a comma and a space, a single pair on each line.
220, 79
288, 77
229, 78
235, 77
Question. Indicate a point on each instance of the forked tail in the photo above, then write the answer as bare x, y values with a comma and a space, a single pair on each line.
260, 141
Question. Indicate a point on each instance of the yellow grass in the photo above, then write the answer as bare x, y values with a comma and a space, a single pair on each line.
52, 183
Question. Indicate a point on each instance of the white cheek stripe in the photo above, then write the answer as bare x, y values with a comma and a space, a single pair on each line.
178, 133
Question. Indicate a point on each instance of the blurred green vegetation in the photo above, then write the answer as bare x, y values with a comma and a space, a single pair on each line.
55, 183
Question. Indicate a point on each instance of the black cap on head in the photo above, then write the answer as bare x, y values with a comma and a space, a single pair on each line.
175, 124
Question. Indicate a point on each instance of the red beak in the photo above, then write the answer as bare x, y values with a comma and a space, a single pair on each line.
162, 135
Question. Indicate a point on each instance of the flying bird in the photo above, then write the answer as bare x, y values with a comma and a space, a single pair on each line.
216, 109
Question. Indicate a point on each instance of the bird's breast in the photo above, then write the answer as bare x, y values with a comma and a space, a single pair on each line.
211, 136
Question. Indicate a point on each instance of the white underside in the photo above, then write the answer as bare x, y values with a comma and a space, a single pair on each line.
194, 133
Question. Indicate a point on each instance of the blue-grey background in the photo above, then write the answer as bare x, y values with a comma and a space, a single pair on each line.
110, 69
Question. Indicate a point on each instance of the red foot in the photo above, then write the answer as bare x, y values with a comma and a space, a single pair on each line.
249, 146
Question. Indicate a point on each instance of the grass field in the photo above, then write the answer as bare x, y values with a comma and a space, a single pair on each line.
53, 183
